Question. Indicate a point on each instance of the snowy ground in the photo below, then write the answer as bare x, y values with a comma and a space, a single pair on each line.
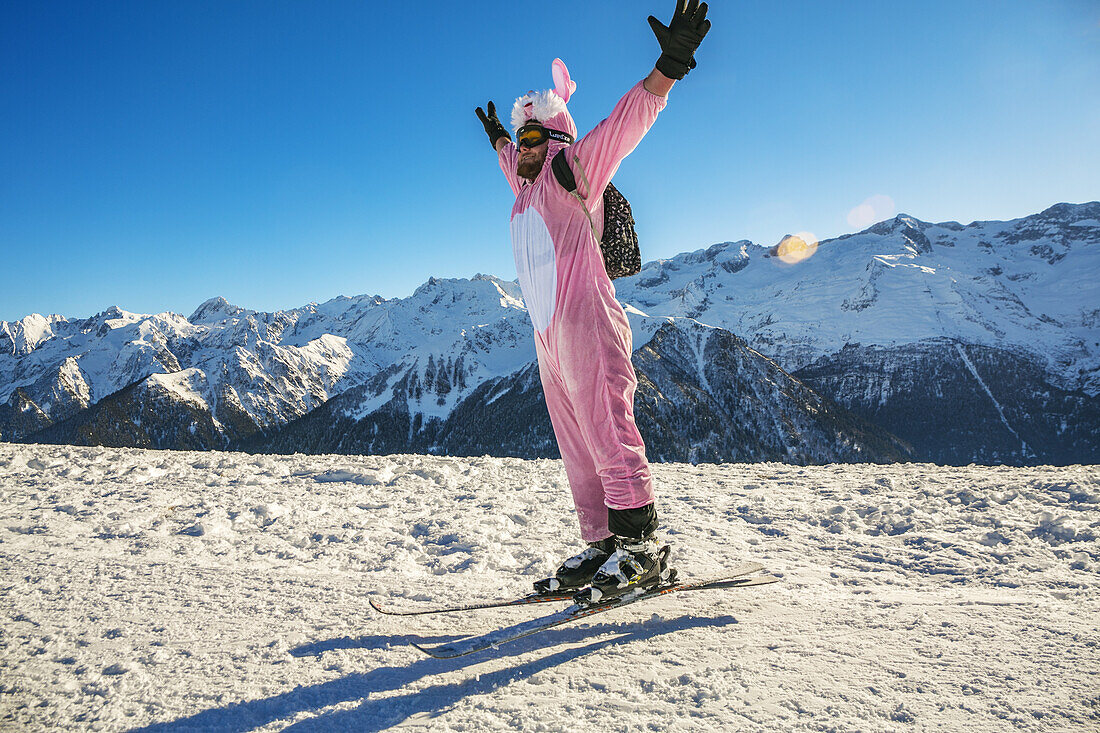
215, 591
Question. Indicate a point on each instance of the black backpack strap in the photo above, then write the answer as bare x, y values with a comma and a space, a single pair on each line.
564, 174
562, 171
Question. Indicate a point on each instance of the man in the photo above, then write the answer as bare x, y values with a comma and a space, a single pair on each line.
582, 336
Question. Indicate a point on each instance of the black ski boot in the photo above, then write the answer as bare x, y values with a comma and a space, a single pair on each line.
577, 571
635, 564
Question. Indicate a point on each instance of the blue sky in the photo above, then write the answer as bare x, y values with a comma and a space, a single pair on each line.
154, 155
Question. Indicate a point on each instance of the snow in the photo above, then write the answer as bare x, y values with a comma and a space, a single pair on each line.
216, 591
72, 378
187, 385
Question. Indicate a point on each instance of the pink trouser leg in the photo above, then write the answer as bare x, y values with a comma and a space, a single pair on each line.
603, 398
590, 396
584, 481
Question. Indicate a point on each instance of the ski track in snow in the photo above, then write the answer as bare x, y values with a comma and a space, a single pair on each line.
173, 591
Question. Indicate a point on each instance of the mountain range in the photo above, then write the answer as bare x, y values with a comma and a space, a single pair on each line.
906, 341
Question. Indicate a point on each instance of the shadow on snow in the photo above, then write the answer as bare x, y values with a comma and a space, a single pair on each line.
381, 713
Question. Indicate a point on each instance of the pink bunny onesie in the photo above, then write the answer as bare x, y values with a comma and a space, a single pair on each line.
582, 336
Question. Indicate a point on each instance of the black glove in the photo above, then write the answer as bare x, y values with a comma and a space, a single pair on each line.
681, 37
493, 128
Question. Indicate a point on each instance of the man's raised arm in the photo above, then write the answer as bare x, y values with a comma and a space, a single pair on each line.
602, 150
502, 143
498, 136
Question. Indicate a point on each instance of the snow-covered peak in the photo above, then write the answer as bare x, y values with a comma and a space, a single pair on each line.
1080, 215
899, 222
113, 318
453, 296
24, 336
216, 310
436, 287
723, 252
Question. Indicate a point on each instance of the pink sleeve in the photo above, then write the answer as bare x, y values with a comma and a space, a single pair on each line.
507, 159
605, 146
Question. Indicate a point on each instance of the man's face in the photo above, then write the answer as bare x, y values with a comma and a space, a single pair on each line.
530, 161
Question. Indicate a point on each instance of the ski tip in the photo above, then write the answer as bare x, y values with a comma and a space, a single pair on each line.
754, 580
435, 652
377, 606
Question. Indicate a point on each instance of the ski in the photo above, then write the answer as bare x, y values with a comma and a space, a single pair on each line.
524, 601
528, 600
473, 644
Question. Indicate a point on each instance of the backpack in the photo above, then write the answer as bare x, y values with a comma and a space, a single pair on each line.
619, 244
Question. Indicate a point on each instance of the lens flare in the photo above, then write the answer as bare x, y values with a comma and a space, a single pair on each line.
873, 209
796, 248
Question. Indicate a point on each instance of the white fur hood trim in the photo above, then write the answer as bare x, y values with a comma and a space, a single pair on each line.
544, 105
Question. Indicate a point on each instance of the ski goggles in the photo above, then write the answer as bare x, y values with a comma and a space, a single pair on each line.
533, 135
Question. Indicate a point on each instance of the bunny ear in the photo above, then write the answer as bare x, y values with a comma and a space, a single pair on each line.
563, 85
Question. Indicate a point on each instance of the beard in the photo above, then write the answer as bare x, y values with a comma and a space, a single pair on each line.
529, 167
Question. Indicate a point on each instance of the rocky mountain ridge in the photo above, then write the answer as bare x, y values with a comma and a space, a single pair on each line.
873, 325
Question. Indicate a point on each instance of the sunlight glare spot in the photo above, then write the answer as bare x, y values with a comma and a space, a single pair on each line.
797, 248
